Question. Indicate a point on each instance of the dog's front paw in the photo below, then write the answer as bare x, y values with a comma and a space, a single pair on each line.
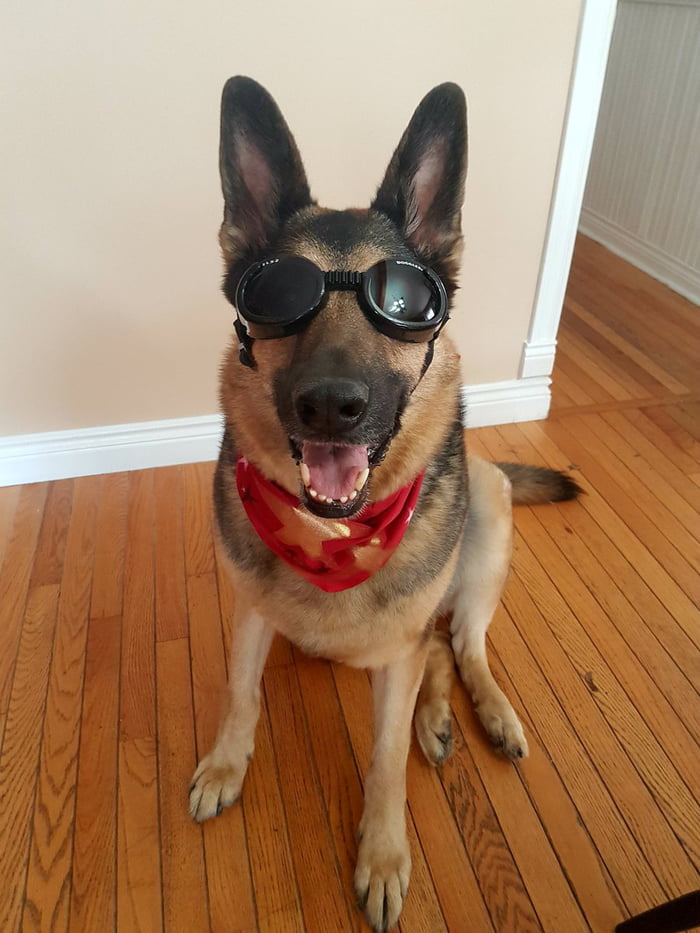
381, 876
215, 785
503, 727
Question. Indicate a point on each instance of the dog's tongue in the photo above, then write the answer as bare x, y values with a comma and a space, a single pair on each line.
333, 468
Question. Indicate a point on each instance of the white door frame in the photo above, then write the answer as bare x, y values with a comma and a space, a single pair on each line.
588, 74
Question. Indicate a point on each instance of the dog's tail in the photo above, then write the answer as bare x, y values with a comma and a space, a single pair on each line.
533, 485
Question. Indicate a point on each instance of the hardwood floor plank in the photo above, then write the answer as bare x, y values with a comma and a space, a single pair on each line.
48, 560
581, 862
15, 574
320, 884
682, 439
47, 896
565, 389
687, 414
611, 344
22, 747
588, 385
668, 336
229, 887
653, 435
338, 778
185, 905
639, 539
655, 495
620, 314
278, 905
9, 497
537, 863
617, 680
619, 615
110, 547
603, 744
599, 368
600, 810
648, 518
93, 903
639, 573
634, 444
139, 879
170, 586
139, 892
138, 675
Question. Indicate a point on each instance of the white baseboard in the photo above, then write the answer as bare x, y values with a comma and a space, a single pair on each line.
506, 402
677, 275
34, 458
537, 358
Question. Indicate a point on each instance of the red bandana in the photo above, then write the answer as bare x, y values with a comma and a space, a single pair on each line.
332, 554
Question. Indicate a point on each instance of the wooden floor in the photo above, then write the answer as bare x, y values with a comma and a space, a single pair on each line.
113, 619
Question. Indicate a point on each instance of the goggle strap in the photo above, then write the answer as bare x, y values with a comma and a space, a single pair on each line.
338, 279
428, 358
245, 345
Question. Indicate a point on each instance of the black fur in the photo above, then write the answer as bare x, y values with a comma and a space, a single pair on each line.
262, 175
423, 189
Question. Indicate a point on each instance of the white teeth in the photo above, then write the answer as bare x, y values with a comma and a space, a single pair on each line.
312, 493
353, 494
321, 498
305, 475
343, 499
361, 479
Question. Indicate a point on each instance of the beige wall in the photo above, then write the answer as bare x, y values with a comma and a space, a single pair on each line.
110, 202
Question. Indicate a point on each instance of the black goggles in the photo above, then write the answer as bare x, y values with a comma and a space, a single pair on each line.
401, 298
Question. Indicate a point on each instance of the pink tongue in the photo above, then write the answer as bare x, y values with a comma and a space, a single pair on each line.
334, 468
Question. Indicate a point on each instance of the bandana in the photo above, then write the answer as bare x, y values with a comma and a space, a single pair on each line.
332, 554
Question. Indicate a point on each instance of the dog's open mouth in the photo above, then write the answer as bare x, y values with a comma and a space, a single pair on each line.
335, 477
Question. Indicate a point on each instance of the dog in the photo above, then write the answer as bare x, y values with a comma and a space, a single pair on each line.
348, 510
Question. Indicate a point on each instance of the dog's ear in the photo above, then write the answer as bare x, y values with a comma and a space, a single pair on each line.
262, 176
423, 188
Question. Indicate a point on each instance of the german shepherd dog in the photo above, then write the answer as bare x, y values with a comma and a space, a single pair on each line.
348, 510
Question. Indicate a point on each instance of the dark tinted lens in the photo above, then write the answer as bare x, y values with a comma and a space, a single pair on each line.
282, 290
402, 292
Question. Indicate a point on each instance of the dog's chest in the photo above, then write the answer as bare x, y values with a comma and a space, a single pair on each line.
367, 626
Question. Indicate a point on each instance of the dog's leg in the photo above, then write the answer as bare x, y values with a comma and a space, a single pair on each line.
481, 575
433, 716
384, 858
218, 780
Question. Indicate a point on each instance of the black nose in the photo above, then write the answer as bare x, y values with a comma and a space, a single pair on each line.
332, 406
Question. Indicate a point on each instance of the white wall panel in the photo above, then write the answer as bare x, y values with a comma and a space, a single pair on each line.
643, 192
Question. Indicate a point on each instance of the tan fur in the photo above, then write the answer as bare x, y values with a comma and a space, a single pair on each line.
433, 718
482, 571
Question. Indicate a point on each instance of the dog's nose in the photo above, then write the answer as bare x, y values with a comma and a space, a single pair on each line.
332, 406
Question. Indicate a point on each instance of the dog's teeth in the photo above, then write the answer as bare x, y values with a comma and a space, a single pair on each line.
343, 499
305, 475
320, 497
312, 493
361, 479
353, 494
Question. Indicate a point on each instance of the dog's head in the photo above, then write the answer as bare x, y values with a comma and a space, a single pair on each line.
321, 406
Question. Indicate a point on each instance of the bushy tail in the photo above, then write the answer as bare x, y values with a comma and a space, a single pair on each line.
533, 485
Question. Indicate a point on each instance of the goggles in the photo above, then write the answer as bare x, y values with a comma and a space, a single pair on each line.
280, 297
